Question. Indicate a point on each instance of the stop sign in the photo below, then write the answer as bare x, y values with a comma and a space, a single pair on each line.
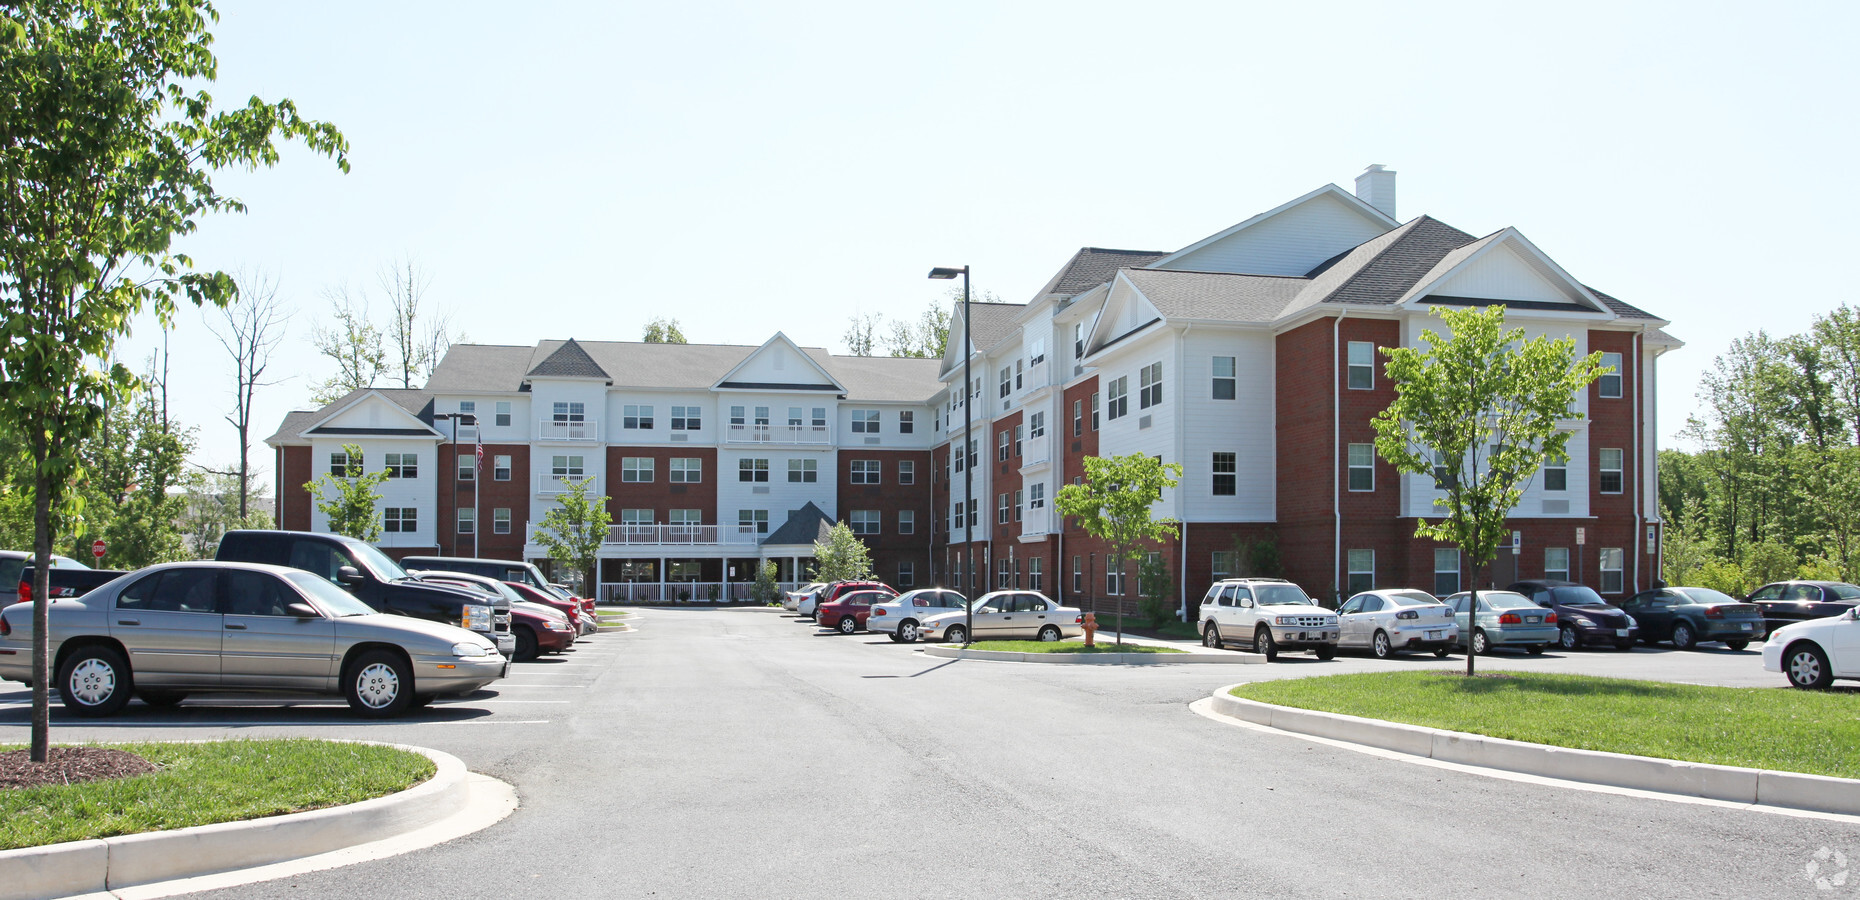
97, 548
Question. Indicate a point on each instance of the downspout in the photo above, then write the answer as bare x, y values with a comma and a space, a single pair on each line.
1336, 459
1181, 402
1640, 501
1653, 411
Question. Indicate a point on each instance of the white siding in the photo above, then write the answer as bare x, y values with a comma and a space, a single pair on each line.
419, 493
1502, 273
1291, 243
782, 495
1243, 426
778, 363
1127, 434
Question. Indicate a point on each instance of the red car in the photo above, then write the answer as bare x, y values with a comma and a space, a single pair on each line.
569, 608
848, 613
540, 631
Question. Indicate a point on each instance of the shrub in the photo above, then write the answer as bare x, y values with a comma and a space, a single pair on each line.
1158, 589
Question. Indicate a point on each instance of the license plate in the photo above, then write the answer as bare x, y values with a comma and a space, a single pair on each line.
1621, 632
1533, 619
1744, 626
1433, 635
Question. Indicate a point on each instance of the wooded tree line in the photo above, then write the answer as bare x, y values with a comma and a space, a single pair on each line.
1768, 492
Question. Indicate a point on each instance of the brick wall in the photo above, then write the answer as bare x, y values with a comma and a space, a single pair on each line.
293, 501
513, 495
660, 495
889, 498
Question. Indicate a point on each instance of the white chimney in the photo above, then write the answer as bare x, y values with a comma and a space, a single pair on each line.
1376, 187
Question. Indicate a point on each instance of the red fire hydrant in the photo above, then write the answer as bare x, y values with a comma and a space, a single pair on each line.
1091, 628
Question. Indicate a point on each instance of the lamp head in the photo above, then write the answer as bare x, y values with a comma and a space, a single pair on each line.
945, 273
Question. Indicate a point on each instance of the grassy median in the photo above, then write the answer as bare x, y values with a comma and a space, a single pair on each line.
1765, 728
1103, 646
200, 784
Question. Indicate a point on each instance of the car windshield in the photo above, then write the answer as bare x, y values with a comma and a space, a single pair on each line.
9, 571
1577, 595
1506, 600
384, 566
1412, 598
335, 601
1845, 591
1280, 595
1705, 595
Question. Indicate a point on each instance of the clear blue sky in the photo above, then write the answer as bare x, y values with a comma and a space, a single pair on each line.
575, 169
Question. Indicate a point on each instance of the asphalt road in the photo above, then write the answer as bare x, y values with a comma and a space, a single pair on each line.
741, 753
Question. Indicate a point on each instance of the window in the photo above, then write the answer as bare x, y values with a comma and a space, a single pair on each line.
907, 521
1019, 374
1078, 574
1149, 386
1113, 582
1036, 352
570, 412
1225, 564
500, 468
907, 471
1007, 380
1611, 566
687, 418
340, 461
1034, 565
636, 417
865, 421
687, 470
803, 471
865, 521
1362, 376
468, 520
1556, 563
1036, 495
503, 413
956, 457
1078, 346
403, 465
736, 417
973, 504
686, 517
866, 471
468, 407
762, 417
752, 521
400, 520
756, 470
1078, 418
794, 417
1094, 410
1001, 509
1003, 575
1036, 426
634, 518
1362, 571
820, 418
1115, 398
1556, 473
1362, 467
467, 469
565, 466
500, 520
907, 573
1226, 473
960, 521
636, 469
971, 453
1611, 470
1001, 445
1223, 378
907, 422
1443, 475
1019, 431
1446, 571
1610, 383
1017, 506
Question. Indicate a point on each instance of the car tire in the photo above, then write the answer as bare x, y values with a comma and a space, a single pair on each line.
421, 701
526, 644
162, 699
1805, 664
907, 632
1264, 645
955, 634
1049, 634
1536, 649
1683, 638
846, 625
1736, 645
1211, 636
1568, 638
94, 681
1380, 646
1325, 652
1480, 646
1624, 644
1441, 652
894, 637
378, 685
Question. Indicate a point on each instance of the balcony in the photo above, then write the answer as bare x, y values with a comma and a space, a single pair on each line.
679, 536
1037, 450
548, 485
778, 434
553, 430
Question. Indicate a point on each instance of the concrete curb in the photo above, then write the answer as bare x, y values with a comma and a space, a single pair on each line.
944, 651
1732, 784
86, 867
618, 629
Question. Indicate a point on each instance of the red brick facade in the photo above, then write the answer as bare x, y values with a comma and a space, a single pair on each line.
891, 498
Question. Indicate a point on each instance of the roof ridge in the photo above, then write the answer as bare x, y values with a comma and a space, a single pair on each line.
1401, 235
1211, 272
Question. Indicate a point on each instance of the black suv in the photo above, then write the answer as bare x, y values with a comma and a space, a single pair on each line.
374, 578
1584, 616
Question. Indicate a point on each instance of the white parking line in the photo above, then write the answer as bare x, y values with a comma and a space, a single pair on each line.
488, 702
501, 685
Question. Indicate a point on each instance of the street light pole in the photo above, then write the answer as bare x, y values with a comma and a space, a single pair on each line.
968, 467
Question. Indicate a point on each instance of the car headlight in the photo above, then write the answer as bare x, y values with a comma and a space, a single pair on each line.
476, 618
558, 626
470, 649
1631, 622
1285, 620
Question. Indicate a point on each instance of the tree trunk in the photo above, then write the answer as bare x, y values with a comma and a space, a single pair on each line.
41, 603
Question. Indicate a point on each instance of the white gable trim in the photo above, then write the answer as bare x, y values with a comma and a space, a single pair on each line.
1515, 240
825, 376
1123, 295
1350, 200
413, 420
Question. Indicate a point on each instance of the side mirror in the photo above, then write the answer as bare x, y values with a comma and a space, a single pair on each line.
302, 611
349, 575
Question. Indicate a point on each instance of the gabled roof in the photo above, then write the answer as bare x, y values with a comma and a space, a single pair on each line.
779, 342
416, 406
806, 526
1350, 201
568, 360
1576, 296
886, 378
1380, 271
1093, 266
1214, 295
991, 323
481, 368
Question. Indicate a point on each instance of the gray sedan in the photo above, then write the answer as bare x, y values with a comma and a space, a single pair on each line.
214, 626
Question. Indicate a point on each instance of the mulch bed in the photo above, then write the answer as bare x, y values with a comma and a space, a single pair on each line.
70, 765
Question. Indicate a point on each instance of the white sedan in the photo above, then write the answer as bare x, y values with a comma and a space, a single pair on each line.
1007, 616
791, 601
1386, 622
900, 618
1814, 653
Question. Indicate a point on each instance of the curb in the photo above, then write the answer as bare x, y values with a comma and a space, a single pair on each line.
944, 651
1732, 784
621, 629
96, 866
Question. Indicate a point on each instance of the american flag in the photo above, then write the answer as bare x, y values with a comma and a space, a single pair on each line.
478, 463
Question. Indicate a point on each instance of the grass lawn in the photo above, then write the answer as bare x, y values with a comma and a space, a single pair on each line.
1765, 728
200, 784
1104, 646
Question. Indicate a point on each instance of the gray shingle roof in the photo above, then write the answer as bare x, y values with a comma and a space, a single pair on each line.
884, 378
1093, 266
478, 368
1215, 295
807, 525
991, 323
296, 422
568, 360
1398, 260
1624, 310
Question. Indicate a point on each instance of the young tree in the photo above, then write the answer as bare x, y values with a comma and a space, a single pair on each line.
662, 330
249, 331
1483, 402
129, 470
107, 152
349, 502
842, 556
353, 343
574, 530
1113, 505
859, 331
418, 341
766, 590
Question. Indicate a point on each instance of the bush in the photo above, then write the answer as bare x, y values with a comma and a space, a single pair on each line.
1819, 568
1720, 575
766, 591
1768, 561
1158, 590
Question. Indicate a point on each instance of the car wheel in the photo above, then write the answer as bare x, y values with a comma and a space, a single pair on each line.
379, 685
1264, 645
1325, 653
1624, 644
1049, 634
847, 625
1568, 639
1535, 649
1683, 638
1441, 652
907, 632
1211, 636
526, 644
894, 637
1380, 646
422, 701
1480, 647
1806, 666
1737, 645
955, 634
162, 699
95, 681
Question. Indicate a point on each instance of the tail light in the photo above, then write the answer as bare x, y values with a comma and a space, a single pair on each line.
1078, 619
1510, 619
1714, 612
1550, 619
879, 611
1408, 614
6, 627
25, 592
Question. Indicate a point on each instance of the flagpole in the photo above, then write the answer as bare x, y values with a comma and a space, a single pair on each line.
477, 484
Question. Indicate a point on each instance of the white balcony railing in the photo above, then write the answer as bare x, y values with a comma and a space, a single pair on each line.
553, 430
679, 535
1038, 450
778, 434
558, 484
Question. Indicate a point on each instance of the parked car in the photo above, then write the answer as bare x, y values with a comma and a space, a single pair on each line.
373, 577
218, 626
1688, 615
538, 628
500, 569
1814, 653
1386, 622
1786, 602
13, 561
899, 618
1007, 616
809, 607
1268, 615
791, 600
66, 582
850, 612
577, 614
1506, 619
1583, 617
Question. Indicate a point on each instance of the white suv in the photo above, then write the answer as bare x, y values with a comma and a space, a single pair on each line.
1268, 615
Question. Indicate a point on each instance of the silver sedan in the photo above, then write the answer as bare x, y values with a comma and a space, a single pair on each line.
215, 626
1386, 622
